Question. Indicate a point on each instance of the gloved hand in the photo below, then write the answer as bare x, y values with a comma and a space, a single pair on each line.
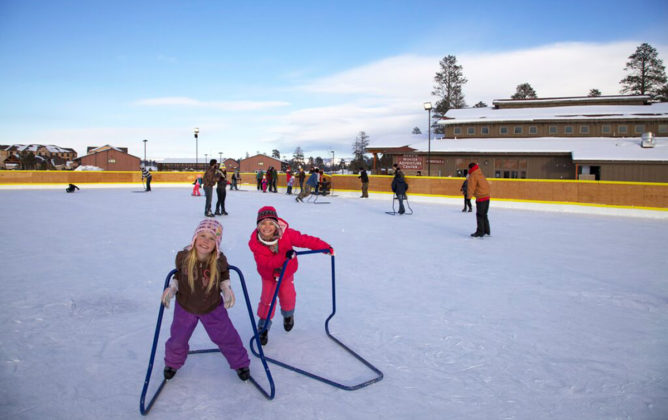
277, 274
169, 292
290, 254
228, 294
330, 251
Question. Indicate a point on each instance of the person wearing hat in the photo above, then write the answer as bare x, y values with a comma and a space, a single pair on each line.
479, 187
203, 274
272, 242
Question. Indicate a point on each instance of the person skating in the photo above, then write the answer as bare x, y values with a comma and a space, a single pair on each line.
399, 187
272, 242
364, 177
146, 174
203, 275
467, 199
210, 178
478, 187
312, 182
221, 191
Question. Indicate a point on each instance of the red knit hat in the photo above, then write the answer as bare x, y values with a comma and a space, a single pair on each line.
267, 212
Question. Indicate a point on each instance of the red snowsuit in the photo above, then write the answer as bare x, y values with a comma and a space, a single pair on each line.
269, 266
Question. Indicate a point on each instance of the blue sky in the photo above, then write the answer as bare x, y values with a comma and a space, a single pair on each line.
257, 76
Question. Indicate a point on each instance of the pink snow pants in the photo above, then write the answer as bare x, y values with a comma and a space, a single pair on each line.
287, 297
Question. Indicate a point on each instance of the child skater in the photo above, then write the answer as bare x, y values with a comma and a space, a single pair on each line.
272, 244
196, 185
203, 274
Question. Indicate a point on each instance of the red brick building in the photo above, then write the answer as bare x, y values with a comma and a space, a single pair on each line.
111, 158
259, 162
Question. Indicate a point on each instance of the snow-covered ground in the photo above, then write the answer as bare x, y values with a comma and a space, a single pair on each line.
556, 316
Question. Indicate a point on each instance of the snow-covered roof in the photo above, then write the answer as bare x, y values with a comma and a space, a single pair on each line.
581, 148
583, 112
34, 147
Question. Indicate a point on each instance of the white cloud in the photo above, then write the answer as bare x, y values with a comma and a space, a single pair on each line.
219, 105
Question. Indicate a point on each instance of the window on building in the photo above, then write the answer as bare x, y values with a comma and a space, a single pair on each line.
584, 129
663, 128
497, 174
568, 129
484, 130
553, 129
533, 130
503, 130
111, 161
518, 129
457, 131
523, 174
470, 131
606, 129
622, 129
639, 128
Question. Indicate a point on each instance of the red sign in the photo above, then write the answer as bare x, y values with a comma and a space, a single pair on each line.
412, 162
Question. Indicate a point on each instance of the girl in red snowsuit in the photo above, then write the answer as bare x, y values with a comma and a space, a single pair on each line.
272, 244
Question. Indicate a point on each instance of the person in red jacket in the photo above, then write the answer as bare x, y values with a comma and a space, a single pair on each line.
272, 243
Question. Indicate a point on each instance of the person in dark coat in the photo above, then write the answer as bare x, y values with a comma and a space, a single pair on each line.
365, 183
467, 199
221, 191
399, 188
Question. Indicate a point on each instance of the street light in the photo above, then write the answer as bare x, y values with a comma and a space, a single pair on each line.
427, 107
196, 133
144, 150
332, 161
220, 157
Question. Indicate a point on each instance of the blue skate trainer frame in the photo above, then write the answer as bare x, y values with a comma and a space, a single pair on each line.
144, 410
379, 374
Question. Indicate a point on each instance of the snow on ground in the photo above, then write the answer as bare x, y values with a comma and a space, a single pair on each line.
556, 316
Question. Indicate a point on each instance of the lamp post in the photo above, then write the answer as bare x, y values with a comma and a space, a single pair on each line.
332, 161
144, 150
196, 133
427, 107
220, 157
206, 158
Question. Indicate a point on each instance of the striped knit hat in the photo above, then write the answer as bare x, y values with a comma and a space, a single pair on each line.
212, 226
267, 212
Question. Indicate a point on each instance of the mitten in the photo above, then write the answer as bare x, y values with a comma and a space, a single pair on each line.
277, 273
169, 292
228, 294
290, 254
330, 251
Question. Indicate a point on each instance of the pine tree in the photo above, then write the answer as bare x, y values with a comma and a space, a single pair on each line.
359, 149
647, 73
416, 130
594, 93
448, 87
480, 104
298, 156
276, 154
524, 91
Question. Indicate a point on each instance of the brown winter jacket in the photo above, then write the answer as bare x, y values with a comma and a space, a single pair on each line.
198, 301
478, 186
211, 177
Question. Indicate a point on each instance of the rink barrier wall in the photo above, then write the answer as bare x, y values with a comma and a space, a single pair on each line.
649, 195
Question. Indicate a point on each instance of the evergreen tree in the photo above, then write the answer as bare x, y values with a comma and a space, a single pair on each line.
647, 72
298, 156
480, 104
319, 162
276, 154
416, 130
359, 149
594, 93
524, 91
448, 87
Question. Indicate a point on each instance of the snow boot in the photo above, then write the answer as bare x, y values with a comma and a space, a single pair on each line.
243, 373
169, 372
288, 322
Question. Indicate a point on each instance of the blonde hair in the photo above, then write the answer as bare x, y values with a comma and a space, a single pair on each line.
213, 269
